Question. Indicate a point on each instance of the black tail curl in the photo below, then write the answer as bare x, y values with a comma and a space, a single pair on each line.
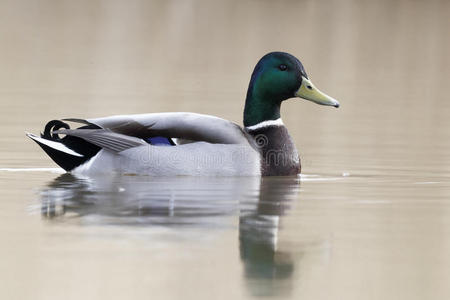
67, 161
51, 126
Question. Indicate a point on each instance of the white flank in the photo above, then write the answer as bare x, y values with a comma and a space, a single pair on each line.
193, 159
277, 122
54, 145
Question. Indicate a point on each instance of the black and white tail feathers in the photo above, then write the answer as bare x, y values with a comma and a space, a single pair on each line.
68, 152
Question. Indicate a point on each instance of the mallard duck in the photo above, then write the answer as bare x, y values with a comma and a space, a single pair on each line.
180, 143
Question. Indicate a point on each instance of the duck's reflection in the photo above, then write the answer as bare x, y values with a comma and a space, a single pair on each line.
188, 201
265, 265
140, 200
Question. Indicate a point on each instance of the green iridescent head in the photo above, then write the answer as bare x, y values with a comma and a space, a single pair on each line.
278, 76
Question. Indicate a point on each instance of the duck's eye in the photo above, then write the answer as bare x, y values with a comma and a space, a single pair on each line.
282, 67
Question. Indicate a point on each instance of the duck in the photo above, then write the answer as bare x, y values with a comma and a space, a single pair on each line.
192, 144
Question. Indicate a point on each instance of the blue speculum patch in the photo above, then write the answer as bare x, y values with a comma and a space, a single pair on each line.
160, 141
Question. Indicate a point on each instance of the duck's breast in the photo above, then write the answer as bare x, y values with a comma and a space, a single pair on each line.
279, 156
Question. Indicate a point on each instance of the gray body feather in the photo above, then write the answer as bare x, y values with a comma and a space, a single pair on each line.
195, 159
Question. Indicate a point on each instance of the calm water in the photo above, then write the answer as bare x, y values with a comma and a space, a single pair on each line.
369, 219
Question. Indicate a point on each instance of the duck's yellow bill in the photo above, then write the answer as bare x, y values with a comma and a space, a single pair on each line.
309, 92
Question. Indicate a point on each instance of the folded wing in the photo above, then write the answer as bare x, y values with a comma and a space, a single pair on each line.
187, 126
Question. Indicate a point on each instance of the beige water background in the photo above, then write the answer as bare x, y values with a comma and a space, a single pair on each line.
369, 220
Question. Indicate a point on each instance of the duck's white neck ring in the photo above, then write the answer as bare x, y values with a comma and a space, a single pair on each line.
277, 122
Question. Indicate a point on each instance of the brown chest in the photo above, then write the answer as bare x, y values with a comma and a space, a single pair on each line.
279, 156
